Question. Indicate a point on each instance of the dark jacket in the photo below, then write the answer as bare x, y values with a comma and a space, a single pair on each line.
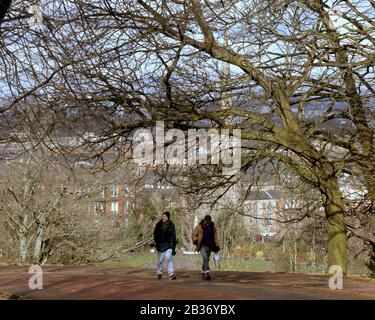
198, 234
165, 240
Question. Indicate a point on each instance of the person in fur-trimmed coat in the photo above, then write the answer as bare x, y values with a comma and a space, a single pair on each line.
206, 240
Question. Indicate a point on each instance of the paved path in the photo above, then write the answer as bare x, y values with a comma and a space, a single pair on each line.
92, 282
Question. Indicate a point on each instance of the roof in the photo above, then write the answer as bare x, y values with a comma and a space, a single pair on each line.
264, 195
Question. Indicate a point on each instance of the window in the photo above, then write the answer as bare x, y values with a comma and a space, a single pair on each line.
114, 207
99, 207
256, 213
233, 193
269, 213
114, 191
128, 191
290, 204
101, 192
126, 207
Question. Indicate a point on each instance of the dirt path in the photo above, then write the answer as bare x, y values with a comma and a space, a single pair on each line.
91, 282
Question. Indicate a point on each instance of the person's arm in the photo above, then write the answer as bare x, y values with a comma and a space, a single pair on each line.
216, 240
156, 235
173, 236
195, 235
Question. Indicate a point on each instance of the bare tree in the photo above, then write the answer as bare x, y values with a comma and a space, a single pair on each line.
117, 66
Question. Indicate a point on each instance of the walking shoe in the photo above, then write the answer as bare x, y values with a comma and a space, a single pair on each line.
208, 277
159, 276
172, 277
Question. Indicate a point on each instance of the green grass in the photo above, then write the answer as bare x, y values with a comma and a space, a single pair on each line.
142, 260
238, 264
271, 260
139, 260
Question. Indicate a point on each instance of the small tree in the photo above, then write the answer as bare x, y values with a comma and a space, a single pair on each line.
231, 230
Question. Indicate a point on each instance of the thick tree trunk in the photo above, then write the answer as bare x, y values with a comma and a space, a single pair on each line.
336, 226
38, 243
364, 133
23, 239
23, 253
313, 255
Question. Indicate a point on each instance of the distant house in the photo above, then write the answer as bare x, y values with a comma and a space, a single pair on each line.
261, 208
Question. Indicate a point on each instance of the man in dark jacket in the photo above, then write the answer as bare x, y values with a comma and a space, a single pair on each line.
165, 240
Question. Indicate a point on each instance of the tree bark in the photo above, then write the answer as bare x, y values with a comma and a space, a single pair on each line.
38, 242
336, 226
23, 253
23, 238
313, 250
364, 133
